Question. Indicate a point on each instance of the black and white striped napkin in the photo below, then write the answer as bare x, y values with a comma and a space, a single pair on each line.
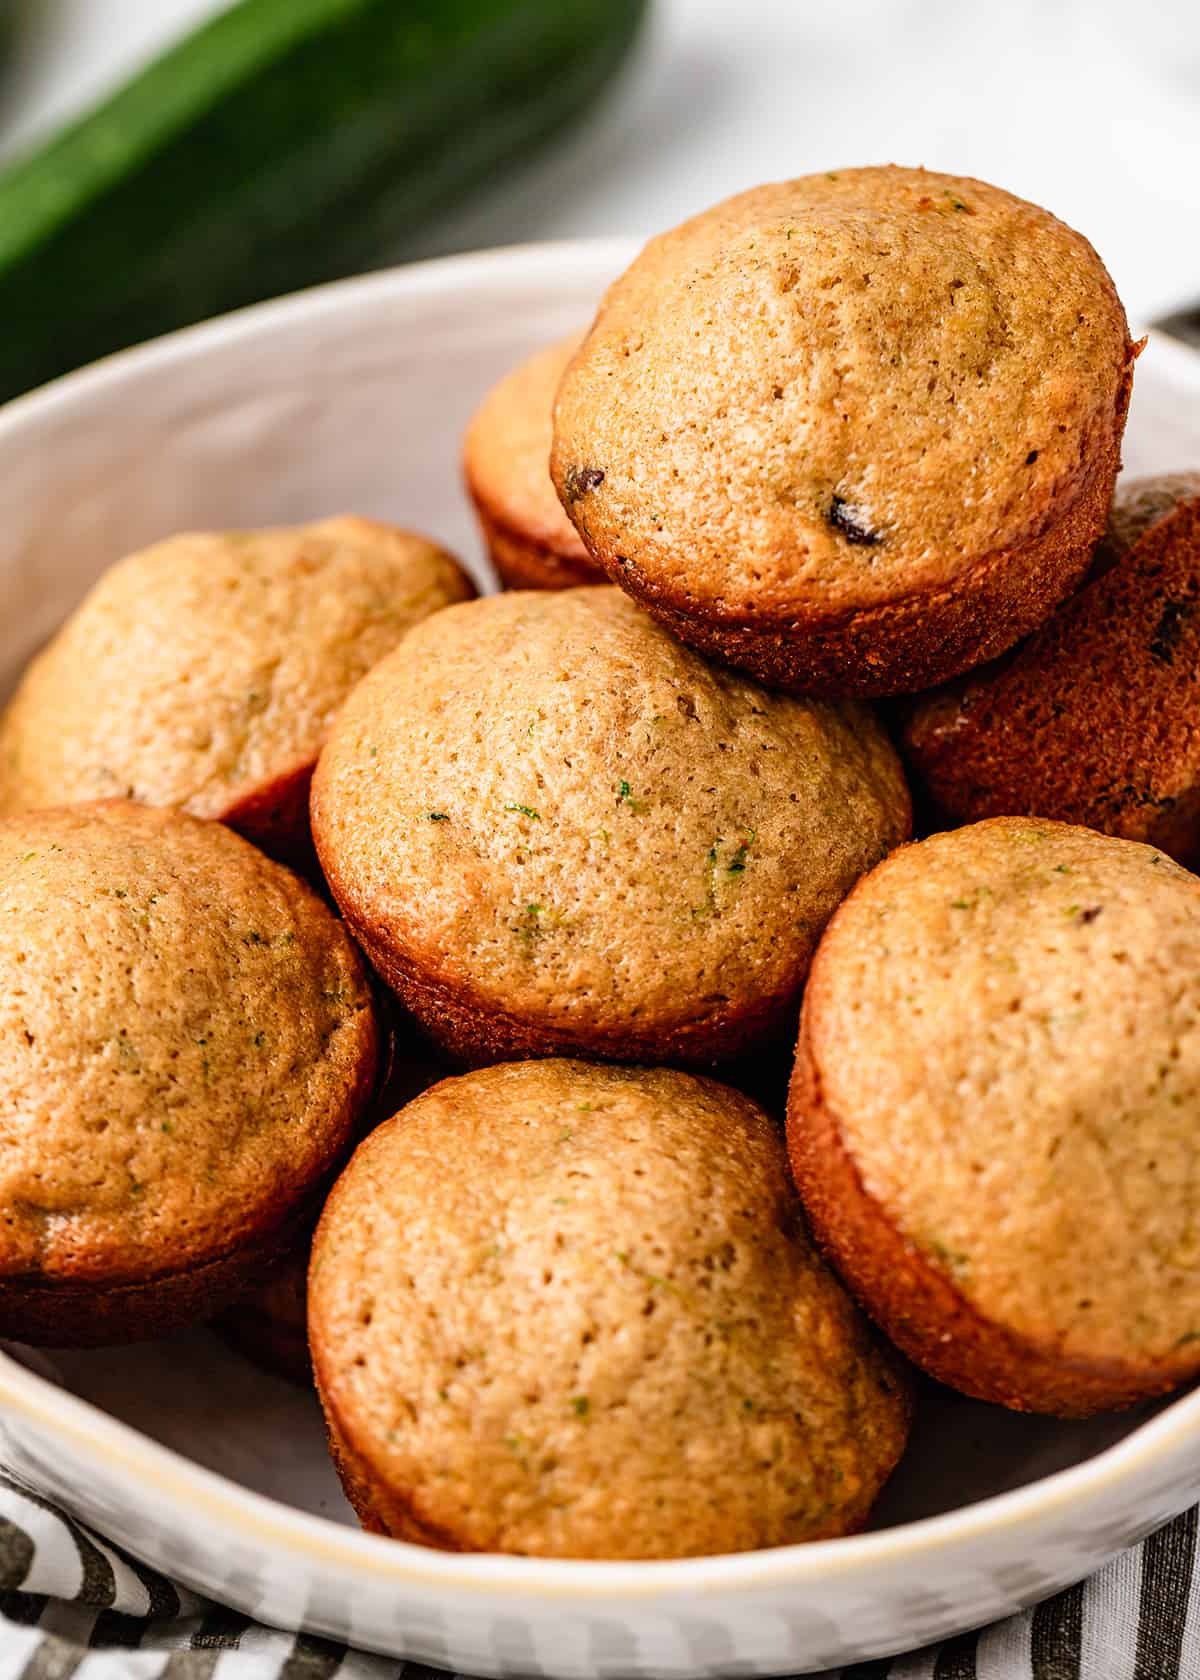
73, 1607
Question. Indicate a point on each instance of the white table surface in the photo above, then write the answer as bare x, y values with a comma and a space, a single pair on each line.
1091, 107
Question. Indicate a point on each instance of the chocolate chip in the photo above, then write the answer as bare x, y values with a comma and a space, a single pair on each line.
849, 520
1031, 457
579, 480
1168, 632
1143, 797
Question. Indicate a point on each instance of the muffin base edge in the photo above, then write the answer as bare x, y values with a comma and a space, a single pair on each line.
917, 1307
522, 562
918, 640
475, 1034
962, 746
47, 1314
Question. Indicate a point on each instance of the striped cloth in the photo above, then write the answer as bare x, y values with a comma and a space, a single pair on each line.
73, 1607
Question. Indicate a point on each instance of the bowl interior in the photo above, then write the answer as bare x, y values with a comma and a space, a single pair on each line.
349, 398
196, 1395
354, 399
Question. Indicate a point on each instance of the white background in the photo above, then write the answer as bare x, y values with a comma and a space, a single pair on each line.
1091, 107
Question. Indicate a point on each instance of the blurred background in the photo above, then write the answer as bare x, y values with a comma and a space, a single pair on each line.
1091, 107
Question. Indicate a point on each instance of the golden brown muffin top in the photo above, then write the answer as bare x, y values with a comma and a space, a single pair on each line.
835, 391
572, 1311
186, 1036
545, 800
1005, 1022
200, 669
506, 452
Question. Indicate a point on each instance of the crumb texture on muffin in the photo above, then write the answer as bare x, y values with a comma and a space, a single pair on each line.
835, 390
186, 1038
506, 459
203, 672
1096, 718
992, 1119
853, 433
546, 811
570, 1310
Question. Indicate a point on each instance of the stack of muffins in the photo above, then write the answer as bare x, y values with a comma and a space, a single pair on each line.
843, 439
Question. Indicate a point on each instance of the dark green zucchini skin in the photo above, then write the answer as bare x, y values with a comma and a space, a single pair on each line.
284, 143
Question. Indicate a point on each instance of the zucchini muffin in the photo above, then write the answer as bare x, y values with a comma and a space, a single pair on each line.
1096, 718
572, 1311
186, 1043
555, 830
506, 462
203, 672
856, 432
993, 1114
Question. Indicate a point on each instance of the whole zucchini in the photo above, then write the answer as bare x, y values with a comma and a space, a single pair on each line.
285, 142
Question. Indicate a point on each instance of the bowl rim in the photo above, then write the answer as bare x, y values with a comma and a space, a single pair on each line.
180, 1483
580, 259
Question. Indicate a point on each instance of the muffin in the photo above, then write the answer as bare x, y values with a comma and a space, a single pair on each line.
186, 1042
1094, 719
572, 1311
506, 462
856, 432
553, 829
203, 673
992, 1118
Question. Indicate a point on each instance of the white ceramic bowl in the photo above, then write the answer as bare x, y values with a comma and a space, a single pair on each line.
353, 397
